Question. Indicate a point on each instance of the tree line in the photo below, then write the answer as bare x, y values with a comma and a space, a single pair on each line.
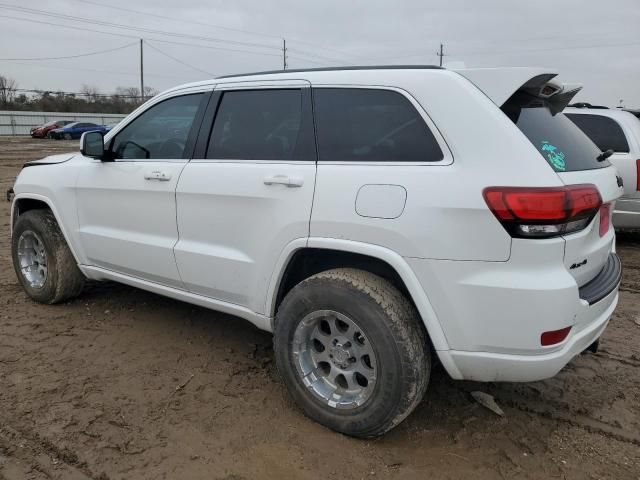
88, 100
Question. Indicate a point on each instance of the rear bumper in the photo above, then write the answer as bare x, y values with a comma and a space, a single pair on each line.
496, 367
493, 313
627, 213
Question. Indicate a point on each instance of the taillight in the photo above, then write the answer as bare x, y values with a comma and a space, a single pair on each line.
638, 175
543, 212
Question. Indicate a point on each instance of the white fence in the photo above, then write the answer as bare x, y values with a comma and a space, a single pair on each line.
20, 123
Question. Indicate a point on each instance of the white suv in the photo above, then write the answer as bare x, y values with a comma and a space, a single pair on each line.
617, 131
371, 218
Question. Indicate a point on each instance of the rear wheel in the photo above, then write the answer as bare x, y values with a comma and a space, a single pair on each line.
352, 351
42, 259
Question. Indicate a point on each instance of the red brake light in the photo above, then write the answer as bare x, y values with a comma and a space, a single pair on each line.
553, 337
543, 212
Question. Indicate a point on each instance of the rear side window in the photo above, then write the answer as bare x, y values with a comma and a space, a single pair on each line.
257, 125
562, 144
371, 125
605, 132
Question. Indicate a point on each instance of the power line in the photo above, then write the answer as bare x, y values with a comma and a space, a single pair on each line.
194, 22
549, 49
210, 47
313, 55
177, 60
107, 72
72, 27
103, 23
70, 56
44, 13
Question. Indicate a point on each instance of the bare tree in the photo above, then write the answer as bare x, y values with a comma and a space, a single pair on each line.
132, 94
92, 94
149, 92
8, 87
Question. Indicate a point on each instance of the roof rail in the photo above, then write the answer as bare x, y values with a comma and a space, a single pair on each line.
334, 69
588, 105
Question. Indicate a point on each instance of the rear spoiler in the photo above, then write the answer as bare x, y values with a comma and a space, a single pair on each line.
499, 84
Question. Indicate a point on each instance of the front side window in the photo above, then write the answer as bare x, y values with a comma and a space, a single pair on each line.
605, 132
371, 125
257, 125
160, 132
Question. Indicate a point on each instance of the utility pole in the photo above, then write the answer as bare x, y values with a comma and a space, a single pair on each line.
141, 71
441, 54
284, 54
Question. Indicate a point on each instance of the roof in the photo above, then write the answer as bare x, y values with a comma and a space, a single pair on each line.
497, 83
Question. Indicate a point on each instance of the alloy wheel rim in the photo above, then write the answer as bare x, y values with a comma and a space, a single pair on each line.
335, 359
32, 258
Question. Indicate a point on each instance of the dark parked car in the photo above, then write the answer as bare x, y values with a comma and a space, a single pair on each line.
41, 131
75, 130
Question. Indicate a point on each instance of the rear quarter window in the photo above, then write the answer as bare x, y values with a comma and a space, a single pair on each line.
560, 142
371, 125
605, 132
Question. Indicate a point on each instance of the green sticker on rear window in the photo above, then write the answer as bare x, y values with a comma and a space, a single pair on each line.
554, 156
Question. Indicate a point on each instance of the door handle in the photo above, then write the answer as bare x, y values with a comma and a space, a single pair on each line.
283, 180
157, 175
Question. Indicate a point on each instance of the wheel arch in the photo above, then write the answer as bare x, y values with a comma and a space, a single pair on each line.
325, 253
24, 202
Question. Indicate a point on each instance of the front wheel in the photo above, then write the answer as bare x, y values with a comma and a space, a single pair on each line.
67, 136
42, 259
352, 351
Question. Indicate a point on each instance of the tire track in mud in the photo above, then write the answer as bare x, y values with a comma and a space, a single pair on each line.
585, 422
42, 455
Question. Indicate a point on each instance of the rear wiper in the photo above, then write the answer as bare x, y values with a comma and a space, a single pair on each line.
604, 155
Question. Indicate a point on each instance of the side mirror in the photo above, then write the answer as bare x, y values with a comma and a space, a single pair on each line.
92, 145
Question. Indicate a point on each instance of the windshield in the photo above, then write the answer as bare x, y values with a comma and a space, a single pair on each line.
562, 144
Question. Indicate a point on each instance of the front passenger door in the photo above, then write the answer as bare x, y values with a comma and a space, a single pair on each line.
126, 206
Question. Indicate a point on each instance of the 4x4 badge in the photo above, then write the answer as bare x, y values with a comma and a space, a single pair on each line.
619, 180
578, 264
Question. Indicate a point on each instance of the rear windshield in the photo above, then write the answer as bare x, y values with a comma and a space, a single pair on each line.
562, 144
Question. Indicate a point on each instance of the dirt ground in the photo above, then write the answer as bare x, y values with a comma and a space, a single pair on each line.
121, 383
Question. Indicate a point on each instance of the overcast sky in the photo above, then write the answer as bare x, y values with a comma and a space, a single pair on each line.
592, 42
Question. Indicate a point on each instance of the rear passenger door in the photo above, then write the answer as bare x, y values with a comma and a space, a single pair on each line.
380, 174
248, 191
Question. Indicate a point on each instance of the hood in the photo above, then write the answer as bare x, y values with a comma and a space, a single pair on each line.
50, 160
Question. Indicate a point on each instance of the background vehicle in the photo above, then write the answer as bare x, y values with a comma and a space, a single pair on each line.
633, 111
619, 131
75, 130
327, 206
42, 130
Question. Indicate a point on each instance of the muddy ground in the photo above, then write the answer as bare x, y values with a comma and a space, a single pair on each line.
121, 383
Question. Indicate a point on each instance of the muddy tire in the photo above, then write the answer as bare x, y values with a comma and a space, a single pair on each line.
352, 351
42, 260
